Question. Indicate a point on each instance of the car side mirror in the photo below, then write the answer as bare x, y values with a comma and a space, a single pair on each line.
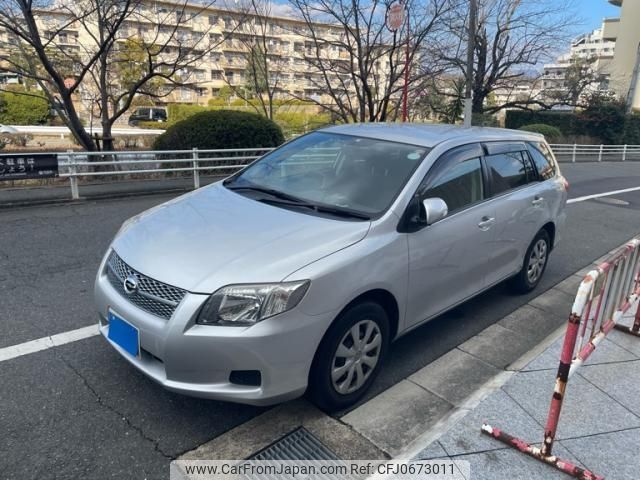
435, 209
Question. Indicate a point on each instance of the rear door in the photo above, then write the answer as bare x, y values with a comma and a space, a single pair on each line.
519, 200
448, 260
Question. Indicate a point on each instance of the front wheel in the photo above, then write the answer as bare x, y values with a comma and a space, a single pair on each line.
349, 356
535, 263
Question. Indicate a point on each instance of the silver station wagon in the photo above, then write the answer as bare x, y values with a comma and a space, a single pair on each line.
296, 273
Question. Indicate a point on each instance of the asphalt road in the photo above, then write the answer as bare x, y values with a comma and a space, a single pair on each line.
81, 411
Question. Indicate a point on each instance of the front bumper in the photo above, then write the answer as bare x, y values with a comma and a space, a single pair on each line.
197, 360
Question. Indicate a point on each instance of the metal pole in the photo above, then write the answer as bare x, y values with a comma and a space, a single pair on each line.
73, 179
573, 156
407, 66
196, 172
600, 153
624, 153
471, 45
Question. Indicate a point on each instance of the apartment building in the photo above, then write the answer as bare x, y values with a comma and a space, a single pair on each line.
223, 37
593, 50
625, 32
524, 90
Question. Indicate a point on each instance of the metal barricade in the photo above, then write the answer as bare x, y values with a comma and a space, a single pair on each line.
603, 297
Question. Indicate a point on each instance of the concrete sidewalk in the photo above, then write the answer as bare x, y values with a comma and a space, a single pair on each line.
599, 426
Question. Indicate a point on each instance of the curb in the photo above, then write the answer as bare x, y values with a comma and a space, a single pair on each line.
108, 196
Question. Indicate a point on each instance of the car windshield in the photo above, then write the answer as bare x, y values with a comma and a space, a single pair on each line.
340, 171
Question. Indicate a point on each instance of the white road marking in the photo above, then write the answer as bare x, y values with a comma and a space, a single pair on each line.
605, 194
45, 343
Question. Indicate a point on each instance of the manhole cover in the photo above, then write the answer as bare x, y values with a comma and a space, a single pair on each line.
612, 201
298, 445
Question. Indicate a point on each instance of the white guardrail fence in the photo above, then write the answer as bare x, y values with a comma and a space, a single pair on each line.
193, 163
133, 163
595, 153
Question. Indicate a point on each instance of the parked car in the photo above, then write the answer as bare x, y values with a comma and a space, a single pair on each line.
297, 272
148, 114
7, 129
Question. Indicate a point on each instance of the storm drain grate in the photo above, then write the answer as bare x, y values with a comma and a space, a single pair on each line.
298, 445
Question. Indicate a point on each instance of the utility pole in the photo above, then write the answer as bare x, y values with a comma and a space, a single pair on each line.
634, 83
407, 66
471, 45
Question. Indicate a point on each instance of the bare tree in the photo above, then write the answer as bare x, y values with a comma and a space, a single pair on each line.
261, 56
109, 51
513, 37
352, 58
442, 98
582, 77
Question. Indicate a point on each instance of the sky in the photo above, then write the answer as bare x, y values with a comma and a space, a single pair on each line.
594, 11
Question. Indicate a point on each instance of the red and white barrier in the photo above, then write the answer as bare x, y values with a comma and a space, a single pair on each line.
604, 296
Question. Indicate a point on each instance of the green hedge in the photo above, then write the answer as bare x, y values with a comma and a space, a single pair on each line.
608, 125
213, 129
567, 122
26, 108
177, 112
549, 131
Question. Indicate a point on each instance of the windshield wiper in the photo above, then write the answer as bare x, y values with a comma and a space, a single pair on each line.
282, 198
268, 191
342, 212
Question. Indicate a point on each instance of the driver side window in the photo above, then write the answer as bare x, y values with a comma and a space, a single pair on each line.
460, 184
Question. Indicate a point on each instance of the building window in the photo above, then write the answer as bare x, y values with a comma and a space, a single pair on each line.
216, 75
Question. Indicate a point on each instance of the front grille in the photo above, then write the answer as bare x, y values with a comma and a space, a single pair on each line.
152, 296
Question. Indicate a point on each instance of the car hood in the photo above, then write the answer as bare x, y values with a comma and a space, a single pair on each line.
214, 237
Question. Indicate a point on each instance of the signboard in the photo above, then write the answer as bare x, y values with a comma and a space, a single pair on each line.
22, 166
395, 16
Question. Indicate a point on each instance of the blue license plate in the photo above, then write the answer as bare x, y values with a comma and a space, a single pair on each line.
123, 334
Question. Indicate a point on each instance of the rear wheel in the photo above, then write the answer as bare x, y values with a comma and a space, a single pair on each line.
534, 265
349, 356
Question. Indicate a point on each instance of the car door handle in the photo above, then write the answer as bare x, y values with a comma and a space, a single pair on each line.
537, 201
486, 223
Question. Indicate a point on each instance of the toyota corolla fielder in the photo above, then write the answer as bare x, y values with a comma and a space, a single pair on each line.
297, 272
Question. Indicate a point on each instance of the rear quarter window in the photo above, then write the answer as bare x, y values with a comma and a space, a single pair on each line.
508, 171
543, 160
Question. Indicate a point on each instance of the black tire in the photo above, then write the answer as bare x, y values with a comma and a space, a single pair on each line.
522, 282
321, 385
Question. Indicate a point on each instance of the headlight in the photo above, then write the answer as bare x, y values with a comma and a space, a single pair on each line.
249, 304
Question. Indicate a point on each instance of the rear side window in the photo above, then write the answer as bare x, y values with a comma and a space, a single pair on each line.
459, 186
509, 171
543, 160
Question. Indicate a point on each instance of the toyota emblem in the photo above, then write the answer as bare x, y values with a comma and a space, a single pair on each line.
131, 284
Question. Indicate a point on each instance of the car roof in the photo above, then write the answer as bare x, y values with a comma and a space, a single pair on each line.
429, 135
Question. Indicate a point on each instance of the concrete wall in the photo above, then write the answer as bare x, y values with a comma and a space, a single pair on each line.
627, 35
